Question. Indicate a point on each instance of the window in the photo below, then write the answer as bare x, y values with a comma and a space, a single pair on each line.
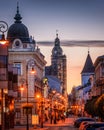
18, 65
3, 61
18, 113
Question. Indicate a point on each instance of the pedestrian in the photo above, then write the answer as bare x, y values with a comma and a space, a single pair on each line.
62, 117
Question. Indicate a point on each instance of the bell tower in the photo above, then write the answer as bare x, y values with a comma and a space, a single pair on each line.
58, 64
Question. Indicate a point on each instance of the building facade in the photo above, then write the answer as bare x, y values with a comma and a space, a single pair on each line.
24, 55
98, 88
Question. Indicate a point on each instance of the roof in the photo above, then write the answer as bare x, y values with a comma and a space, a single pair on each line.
54, 83
18, 30
99, 59
88, 67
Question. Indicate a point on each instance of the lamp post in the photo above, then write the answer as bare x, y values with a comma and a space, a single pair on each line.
53, 92
41, 108
3, 52
42, 112
27, 126
28, 107
3, 29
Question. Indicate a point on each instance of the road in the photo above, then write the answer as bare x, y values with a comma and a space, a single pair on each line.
67, 125
62, 128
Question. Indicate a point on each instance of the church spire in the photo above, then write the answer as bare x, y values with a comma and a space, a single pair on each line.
88, 67
57, 41
56, 33
88, 50
18, 16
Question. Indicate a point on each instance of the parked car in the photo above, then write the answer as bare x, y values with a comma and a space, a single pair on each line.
83, 124
100, 128
93, 126
78, 121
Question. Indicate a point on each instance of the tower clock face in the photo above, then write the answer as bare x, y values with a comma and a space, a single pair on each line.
55, 52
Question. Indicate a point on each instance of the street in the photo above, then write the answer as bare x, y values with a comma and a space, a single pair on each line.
67, 125
62, 128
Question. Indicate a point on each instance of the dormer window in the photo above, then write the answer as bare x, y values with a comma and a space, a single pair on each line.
17, 43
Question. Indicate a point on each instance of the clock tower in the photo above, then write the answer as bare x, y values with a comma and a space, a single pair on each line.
58, 64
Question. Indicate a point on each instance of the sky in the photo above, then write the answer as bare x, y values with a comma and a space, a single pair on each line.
75, 20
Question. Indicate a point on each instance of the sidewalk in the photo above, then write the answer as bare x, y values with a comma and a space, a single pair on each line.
46, 125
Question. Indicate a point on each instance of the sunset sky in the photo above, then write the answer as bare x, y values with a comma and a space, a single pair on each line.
77, 20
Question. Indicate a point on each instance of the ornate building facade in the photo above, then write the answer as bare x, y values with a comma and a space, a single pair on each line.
58, 66
24, 55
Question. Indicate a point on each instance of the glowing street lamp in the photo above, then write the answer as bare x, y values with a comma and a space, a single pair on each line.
28, 106
3, 29
52, 94
41, 107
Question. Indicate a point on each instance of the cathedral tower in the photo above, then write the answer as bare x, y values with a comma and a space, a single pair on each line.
58, 64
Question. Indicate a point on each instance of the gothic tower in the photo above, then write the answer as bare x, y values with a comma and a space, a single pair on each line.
58, 64
88, 70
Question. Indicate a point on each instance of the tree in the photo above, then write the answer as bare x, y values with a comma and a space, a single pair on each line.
90, 107
99, 106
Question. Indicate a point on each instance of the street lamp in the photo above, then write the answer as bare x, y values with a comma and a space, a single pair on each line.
53, 92
3, 29
41, 108
3, 52
28, 107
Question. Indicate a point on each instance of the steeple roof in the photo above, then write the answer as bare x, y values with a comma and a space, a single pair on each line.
88, 67
57, 40
57, 50
18, 29
18, 16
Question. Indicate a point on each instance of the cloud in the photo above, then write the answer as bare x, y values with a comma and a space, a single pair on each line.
92, 43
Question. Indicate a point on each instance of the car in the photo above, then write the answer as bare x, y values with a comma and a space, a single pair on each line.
93, 126
100, 128
78, 121
83, 124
